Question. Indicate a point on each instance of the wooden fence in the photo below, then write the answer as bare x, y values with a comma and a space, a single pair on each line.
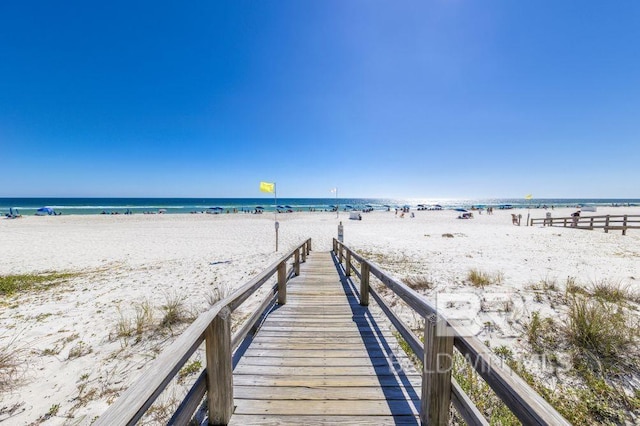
608, 222
441, 336
439, 389
214, 329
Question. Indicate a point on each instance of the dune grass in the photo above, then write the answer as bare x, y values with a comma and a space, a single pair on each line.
11, 284
479, 278
601, 333
421, 282
613, 291
10, 362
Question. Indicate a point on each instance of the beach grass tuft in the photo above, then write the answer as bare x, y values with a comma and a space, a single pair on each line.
10, 363
541, 333
601, 333
174, 310
612, 291
420, 282
144, 318
217, 293
479, 278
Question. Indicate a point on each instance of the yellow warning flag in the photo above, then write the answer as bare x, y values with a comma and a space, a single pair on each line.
528, 197
267, 187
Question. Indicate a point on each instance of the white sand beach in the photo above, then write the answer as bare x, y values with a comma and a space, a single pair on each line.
75, 363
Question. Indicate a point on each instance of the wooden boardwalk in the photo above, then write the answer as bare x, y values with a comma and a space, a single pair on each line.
323, 359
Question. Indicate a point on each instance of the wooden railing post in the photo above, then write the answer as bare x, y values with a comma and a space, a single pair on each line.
364, 283
304, 253
624, 225
335, 247
219, 368
436, 374
591, 223
340, 252
282, 283
606, 225
347, 264
296, 262
308, 245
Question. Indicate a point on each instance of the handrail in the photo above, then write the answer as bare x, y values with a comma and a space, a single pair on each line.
213, 326
518, 396
606, 222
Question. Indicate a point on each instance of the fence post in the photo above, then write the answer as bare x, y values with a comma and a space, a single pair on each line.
436, 374
364, 283
347, 264
624, 225
340, 251
282, 283
219, 368
606, 225
304, 252
308, 245
335, 247
296, 262
591, 223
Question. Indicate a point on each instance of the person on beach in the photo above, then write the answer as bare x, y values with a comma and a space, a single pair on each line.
575, 217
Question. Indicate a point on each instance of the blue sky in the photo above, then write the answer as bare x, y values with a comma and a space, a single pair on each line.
423, 99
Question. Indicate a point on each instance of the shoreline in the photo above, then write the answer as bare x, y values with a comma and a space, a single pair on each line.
86, 206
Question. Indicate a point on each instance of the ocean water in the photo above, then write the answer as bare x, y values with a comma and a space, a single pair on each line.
81, 206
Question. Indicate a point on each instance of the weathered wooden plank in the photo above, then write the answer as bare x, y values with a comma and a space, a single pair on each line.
328, 321
317, 370
317, 353
357, 381
307, 361
328, 333
310, 407
323, 420
311, 340
319, 345
313, 329
327, 393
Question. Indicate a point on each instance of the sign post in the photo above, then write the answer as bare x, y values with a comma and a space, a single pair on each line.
341, 233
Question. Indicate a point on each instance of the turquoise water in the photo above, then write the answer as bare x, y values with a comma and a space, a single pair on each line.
81, 206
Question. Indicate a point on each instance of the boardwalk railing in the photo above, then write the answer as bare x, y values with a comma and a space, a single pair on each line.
608, 222
439, 389
213, 328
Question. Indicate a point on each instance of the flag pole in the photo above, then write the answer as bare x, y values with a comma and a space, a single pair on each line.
337, 207
275, 211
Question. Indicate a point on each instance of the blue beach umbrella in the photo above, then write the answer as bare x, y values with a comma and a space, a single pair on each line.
461, 210
44, 211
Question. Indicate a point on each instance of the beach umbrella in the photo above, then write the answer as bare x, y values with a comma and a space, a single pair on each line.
259, 208
288, 207
44, 211
461, 210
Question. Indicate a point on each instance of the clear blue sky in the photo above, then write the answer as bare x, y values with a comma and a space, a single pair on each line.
441, 98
